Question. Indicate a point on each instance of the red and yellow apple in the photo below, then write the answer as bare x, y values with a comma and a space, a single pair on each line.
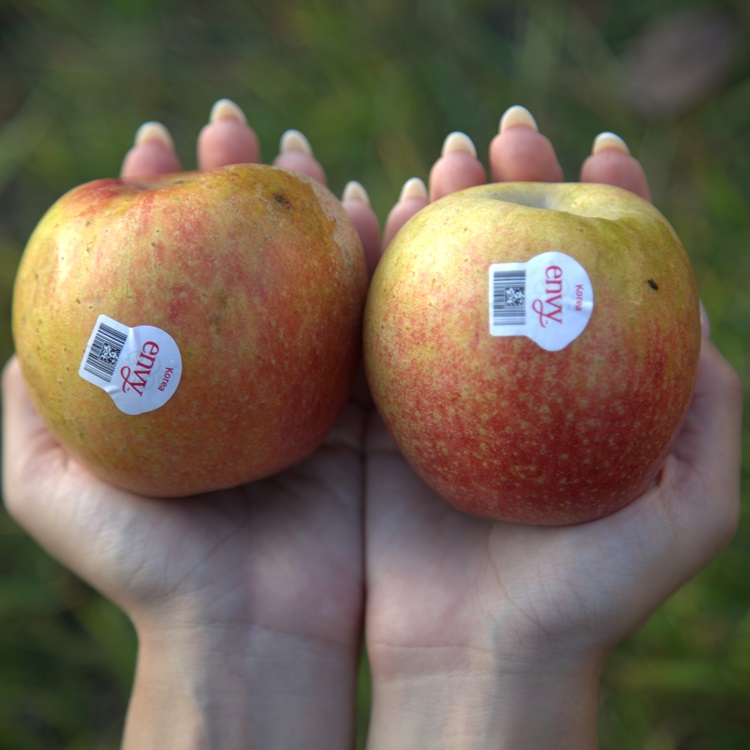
246, 286
552, 403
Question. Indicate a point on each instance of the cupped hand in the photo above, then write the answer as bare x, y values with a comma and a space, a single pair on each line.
271, 572
464, 612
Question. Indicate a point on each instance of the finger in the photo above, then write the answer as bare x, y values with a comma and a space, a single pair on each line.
152, 152
24, 433
356, 202
710, 438
27, 447
700, 484
227, 138
457, 168
519, 153
611, 163
413, 198
295, 152
705, 322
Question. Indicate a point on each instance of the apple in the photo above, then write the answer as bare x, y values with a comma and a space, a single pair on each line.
194, 331
532, 348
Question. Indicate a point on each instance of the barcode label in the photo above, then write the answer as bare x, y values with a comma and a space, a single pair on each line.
140, 368
104, 349
509, 298
548, 299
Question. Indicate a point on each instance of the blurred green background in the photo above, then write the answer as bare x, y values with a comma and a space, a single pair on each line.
376, 87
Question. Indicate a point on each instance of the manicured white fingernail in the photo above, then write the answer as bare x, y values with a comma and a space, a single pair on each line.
354, 191
293, 140
607, 140
226, 109
517, 115
153, 131
413, 188
458, 141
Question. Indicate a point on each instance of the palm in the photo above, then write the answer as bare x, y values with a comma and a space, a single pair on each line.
269, 553
480, 580
441, 579
445, 580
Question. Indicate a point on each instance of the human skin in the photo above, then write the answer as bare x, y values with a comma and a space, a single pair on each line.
485, 634
249, 604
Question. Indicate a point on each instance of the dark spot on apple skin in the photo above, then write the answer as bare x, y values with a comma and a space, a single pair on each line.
652, 284
282, 200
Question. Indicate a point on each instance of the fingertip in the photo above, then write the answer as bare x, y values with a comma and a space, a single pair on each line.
294, 141
705, 322
227, 138
515, 116
152, 152
226, 109
413, 188
609, 141
153, 132
356, 202
457, 167
458, 142
611, 163
413, 198
355, 191
520, 153
296, 153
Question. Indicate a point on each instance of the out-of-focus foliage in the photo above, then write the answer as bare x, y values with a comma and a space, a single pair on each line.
376, 86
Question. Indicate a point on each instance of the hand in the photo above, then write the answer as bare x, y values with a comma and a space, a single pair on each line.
247, 603
485, 634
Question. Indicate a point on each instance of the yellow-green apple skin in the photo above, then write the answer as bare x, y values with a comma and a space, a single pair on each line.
255, 272
497, 425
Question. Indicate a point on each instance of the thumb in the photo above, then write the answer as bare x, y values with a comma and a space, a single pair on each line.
26, 440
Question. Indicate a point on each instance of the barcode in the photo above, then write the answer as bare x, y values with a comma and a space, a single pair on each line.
509, 298
105, 351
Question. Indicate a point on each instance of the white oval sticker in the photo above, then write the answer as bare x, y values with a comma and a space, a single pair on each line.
140, 368
549, 299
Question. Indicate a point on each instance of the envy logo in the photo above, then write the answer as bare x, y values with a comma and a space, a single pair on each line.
550, 308
549, 298
153, 359
136, 378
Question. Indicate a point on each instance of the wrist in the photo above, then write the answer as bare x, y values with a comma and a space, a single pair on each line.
466, 699
237, 687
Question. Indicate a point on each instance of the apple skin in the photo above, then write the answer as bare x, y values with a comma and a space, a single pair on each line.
498, 426
258, 275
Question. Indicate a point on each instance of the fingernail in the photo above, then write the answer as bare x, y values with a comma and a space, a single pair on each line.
458, 142
355, 191
293, 140
153, 131
705, 322
226, 109
517, 115
607, 140
413, 188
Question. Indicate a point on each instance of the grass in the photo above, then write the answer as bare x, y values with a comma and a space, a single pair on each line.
376, 87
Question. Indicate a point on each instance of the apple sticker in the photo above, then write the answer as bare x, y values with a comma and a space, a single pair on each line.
139, 367
549, 299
